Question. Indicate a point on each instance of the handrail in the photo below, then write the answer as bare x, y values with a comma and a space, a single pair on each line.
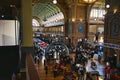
107, 45
31, 71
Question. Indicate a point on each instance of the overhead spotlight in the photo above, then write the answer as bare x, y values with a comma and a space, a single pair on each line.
54, 1
107, 6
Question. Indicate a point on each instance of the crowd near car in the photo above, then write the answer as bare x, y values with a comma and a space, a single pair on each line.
39, 46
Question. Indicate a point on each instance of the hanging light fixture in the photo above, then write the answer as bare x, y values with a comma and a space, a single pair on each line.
54, 1
89, 1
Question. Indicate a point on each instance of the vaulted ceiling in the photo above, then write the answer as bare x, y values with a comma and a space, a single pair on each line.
44, 10
47, 13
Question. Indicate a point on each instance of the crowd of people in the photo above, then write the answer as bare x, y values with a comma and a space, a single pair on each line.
88, 63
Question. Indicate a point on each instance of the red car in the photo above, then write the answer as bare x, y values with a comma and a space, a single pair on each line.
43, 45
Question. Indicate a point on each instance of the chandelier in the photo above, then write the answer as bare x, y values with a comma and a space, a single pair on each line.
89, 1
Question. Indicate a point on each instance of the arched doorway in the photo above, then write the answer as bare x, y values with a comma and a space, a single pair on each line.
96, 21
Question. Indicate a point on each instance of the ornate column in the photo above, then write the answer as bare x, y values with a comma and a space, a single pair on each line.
26, 24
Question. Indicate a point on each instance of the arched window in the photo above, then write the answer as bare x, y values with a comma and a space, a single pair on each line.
35, 22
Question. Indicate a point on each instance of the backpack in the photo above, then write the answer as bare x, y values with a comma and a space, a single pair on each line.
93, 65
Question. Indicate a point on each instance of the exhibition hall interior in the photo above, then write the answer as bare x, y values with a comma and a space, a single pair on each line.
59, 40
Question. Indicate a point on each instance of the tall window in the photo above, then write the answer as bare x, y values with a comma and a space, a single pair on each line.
97, 13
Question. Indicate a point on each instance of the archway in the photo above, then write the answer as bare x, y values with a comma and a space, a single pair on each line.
55, 49
96, 21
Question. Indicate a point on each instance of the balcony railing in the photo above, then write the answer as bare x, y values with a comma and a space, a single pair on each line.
31, 71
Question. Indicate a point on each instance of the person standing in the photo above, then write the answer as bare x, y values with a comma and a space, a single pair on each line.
81, 72
37, 58
45, 62
46, 69
55, 71
97, 36
107, 72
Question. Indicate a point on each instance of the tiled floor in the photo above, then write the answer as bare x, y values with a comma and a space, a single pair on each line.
49, 76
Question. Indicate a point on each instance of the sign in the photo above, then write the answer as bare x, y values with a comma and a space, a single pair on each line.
80, 29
